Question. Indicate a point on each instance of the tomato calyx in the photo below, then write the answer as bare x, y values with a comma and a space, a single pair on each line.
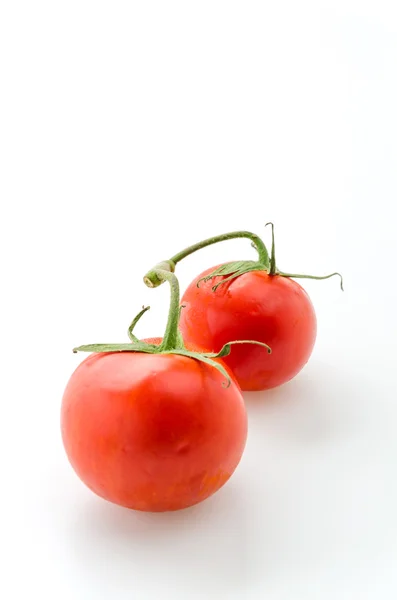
274, 271
172, 342
232, 270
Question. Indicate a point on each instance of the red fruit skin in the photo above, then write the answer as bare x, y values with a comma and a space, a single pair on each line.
254, 306
152, 432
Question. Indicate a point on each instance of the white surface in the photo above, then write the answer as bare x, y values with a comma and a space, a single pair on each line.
128, 131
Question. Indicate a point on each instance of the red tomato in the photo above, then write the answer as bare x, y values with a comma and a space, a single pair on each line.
254, 306
152, 432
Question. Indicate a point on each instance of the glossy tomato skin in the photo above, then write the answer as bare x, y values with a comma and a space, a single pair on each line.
254, 306
152, 432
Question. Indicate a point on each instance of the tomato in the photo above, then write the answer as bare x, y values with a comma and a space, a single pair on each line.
252, 303
258, 306
152, 432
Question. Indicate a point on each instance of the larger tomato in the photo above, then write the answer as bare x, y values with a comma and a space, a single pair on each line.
257, 306
152, 432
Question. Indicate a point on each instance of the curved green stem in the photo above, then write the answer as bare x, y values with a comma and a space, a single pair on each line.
152, 280
300, 276
132, 337
273, 268
171, 339
229, 271
263, 255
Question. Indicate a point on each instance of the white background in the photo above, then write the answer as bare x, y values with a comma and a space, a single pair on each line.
129, 130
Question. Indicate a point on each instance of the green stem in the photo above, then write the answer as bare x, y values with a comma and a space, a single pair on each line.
151, 278
263, 255
273, 268
171, 339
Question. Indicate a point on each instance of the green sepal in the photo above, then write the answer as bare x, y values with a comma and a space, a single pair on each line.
316, 277
226, 349
151, 349
131, 347
206, 358
232, 270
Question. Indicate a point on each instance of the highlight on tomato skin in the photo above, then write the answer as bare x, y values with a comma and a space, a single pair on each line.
152, 432
271, 309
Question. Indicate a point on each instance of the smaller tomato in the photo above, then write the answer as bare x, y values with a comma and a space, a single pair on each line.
255, 305
249, 300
